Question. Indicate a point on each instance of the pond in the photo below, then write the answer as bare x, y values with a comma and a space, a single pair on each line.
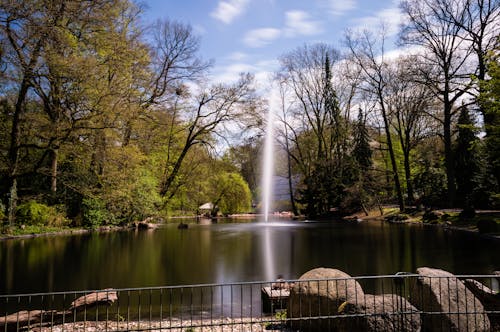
235, 252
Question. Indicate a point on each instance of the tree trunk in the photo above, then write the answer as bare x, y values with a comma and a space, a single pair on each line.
169, 178
397, 184
99, 154
409, 185
290, 185
15, 141
53, 171
11, 208
289, 170
448, 155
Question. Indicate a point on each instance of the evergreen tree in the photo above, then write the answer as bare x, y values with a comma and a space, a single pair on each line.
362, 152
332, 171
490, 104
359, 193
466, 159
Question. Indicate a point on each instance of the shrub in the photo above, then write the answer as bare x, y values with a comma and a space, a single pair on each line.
34, 213
95, 213
2, 212
487, 225
400, 217
431, 216
495, 201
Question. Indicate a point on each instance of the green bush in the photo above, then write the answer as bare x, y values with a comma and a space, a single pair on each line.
487, 225
34, 213
95, 213
2, 212
495, 201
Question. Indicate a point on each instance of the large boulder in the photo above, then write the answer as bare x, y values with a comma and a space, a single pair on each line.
387, 312
490, 300
319, 293
446, 303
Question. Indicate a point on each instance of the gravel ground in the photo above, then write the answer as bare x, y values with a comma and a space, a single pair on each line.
220, 325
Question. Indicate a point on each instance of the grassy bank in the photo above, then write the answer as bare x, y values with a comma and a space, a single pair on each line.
484, 222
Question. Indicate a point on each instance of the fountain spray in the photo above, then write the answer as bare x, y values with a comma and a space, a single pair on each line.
268, 164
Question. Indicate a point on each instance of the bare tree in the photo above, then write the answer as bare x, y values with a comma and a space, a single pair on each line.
304, 69
205, 115
174, 63
285, 130
408, 105
367, 51
174, 59
480, 22
443, 63
316, 127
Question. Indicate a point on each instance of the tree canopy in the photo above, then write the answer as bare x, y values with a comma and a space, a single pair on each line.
106, 120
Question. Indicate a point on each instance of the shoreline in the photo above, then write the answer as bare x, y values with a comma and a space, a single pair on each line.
374, 215
418, 220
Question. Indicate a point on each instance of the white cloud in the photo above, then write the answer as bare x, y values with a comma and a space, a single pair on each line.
268, 65
340, 7
227, 11
199, 29
262, 69
261, 37
237, 56
403, 51
230, 73
389, 17
299, 23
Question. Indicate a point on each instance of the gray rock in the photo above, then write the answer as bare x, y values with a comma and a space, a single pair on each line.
446, 303
313, 297
387, 312
490, 300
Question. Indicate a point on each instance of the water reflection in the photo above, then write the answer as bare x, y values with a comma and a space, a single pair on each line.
234, 252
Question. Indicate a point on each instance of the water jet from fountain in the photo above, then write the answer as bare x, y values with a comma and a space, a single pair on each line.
268, 161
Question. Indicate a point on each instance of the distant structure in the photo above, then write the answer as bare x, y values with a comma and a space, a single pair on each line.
281, 189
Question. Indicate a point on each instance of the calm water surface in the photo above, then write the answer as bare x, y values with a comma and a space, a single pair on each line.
234, 252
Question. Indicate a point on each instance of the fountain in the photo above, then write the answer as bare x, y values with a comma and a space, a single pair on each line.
268, 163
267, 189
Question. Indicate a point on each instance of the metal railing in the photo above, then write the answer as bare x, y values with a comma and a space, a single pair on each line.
401, 302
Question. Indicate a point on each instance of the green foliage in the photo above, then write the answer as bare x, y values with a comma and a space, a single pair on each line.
466, 158
495, 201
489, 100
362, 152
231, 193
430, 183
129, 188
281, 314
34, 213
327, 186
361, 195
2, 212
397, 218
95, 213
112, 119
246, 158
429, 176
34, 229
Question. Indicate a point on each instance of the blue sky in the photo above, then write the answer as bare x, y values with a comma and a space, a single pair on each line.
250, 35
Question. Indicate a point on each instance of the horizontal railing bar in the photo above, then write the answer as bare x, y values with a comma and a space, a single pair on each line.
390, 276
